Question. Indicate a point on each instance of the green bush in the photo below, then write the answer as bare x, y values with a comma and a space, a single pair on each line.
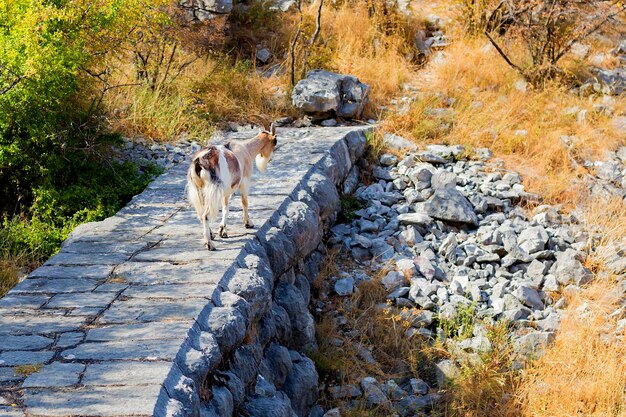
97, 192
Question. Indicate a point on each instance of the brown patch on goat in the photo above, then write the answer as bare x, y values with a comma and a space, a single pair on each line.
210, 163
233, 167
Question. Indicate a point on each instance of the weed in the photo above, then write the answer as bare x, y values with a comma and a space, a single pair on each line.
460, 325
25, 370
349, 204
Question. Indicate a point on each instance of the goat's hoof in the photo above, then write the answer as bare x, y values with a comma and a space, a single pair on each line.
249, 225
210, 246
223, 232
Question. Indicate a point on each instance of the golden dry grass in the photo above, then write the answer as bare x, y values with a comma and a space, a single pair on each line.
583, 373
525, 128
8, 274
207, 93
381, 330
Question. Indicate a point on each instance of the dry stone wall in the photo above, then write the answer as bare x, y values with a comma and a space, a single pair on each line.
135, 317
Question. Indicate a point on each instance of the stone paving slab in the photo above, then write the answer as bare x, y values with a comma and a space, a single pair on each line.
102, 321
92, 401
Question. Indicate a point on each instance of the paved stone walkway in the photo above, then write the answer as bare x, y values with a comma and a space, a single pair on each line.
95, 330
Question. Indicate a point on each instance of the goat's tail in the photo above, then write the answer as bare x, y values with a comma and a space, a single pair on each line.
205, 191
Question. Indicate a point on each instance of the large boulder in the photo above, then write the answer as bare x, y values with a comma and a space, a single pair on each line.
324, 94
203, 10
568, 268
448, 204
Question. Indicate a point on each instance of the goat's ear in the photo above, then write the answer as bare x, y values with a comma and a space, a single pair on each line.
273, 129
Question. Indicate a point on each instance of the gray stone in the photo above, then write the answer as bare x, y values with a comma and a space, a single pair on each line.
301, 385
536, 269
388, 160
278, 364
344, 286
374, 396
263, 55
344, 391
96, 401
448, 204
323, 93
398, 142
419, 387
26, 342
16, 358
228, 326
302, 325
393, 280
613, 81
412, 404
532, 344
278, 405
568, 268
443, 179
420, 219
529, 297
55, 375
125, 373
446, 370
533, 239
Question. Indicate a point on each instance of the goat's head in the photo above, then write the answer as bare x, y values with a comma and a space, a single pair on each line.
268, 138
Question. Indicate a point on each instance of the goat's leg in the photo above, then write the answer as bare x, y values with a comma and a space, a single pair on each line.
244, 203
223, 232
208, 235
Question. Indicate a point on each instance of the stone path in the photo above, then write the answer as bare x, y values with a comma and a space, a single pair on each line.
96, 329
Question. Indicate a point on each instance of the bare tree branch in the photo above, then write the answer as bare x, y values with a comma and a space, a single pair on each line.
292, 50
502, 54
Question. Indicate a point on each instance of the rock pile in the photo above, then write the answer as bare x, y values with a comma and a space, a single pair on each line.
166, 155
609, 176
455, 232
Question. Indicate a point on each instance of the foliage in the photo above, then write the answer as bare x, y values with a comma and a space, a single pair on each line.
461, 325
349, 204
94, 191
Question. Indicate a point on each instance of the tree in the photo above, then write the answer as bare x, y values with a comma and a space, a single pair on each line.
549, 28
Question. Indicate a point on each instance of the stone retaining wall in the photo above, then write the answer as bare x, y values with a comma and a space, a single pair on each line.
135, 317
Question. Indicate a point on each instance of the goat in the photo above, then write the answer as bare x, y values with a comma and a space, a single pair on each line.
216, 172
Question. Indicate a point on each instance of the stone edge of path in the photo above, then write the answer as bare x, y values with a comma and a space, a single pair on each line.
286, 246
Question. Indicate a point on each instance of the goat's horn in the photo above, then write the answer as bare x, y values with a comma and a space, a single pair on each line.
263, 120
273, 129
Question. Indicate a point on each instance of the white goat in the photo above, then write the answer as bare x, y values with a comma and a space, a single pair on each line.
217, 172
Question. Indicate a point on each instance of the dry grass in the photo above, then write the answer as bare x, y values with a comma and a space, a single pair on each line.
373, 48
380, 329
207, 93
227, 86
8, 274
583, 373
483, 108
484, 386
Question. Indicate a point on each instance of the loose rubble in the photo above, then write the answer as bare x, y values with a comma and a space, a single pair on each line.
164, 155
455, 234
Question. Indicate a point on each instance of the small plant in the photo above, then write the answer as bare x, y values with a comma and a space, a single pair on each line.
375, 145
25, 370
461, 325
349, 204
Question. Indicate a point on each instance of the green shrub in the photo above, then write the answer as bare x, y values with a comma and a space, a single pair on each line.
96, 191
